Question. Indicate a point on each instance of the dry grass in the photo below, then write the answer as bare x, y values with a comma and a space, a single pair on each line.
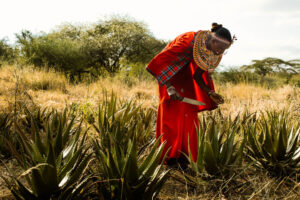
250, 184
253, 98
50, 89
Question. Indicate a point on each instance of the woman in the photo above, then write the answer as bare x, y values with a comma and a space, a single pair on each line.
183, 69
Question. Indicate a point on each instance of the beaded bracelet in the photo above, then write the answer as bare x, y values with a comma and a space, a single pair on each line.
210, 92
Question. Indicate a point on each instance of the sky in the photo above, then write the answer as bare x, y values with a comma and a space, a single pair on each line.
264, 28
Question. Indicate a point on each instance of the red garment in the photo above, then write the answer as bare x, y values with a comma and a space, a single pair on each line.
177, 120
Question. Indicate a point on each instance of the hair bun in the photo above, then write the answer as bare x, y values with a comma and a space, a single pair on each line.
215, 27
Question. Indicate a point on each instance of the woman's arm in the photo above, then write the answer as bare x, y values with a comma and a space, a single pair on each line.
199, 80
218, 99
174, 57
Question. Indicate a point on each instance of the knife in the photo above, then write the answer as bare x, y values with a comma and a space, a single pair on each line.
192, 101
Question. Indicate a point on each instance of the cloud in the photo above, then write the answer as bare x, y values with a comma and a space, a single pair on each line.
282, 6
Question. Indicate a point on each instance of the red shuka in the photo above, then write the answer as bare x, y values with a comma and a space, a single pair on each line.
176, 120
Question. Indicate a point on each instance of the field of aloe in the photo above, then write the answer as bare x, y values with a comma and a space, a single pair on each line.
87, 142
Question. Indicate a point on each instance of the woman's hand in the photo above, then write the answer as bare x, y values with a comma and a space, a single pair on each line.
172, 92
218, 99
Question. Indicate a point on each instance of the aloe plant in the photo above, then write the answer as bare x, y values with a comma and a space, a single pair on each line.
125, 171
219, 152
123, 174
39, 115
54, 160
5, 134
274, 144
123, 120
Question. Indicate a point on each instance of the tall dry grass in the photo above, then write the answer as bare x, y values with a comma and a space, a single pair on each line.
51, 89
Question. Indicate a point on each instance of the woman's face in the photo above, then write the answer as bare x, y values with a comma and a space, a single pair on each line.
218, 47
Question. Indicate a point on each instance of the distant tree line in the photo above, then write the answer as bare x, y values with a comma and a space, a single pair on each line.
116, 44
96, 49
270, 72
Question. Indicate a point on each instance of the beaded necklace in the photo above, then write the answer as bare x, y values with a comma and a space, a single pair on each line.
204, 58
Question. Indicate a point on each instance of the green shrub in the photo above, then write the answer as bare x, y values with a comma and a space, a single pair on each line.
7, 52
295, 80
235, 76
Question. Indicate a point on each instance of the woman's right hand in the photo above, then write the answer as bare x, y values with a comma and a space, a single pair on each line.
176, 96
172, 92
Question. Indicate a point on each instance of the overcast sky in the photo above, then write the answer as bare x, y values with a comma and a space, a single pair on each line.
264, 28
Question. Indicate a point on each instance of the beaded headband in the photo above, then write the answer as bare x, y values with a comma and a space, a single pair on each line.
214, 36
222, 40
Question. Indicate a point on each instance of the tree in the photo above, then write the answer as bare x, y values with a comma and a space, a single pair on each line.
93, 49
53, 50
7, 53
24, 41
120, 38
272, 65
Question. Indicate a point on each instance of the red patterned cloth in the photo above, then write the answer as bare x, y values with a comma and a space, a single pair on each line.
171, 60
177, 121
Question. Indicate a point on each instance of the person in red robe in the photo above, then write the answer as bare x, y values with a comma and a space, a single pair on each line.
183, 69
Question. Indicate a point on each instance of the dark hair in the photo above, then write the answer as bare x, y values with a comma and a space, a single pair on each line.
220, 31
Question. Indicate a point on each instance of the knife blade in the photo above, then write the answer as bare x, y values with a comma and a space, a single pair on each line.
192, 101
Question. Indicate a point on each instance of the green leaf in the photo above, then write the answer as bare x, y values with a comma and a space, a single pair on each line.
210, 159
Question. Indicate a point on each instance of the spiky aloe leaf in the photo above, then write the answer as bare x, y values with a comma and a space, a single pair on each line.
22, 192
292, 141
152, 162
67, 167
210, 159
198, 166
79, 170
150, 156
229, 146
130, 169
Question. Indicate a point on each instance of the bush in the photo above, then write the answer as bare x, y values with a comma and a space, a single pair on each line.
94, 50
295, 80
235, 76
50, 50
7, 53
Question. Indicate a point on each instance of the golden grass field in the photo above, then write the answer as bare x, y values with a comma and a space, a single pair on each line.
51, 89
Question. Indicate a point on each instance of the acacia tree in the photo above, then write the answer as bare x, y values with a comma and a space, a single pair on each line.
272, 65
111, 41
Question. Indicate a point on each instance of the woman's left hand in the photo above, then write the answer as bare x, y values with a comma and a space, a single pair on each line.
218, 99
